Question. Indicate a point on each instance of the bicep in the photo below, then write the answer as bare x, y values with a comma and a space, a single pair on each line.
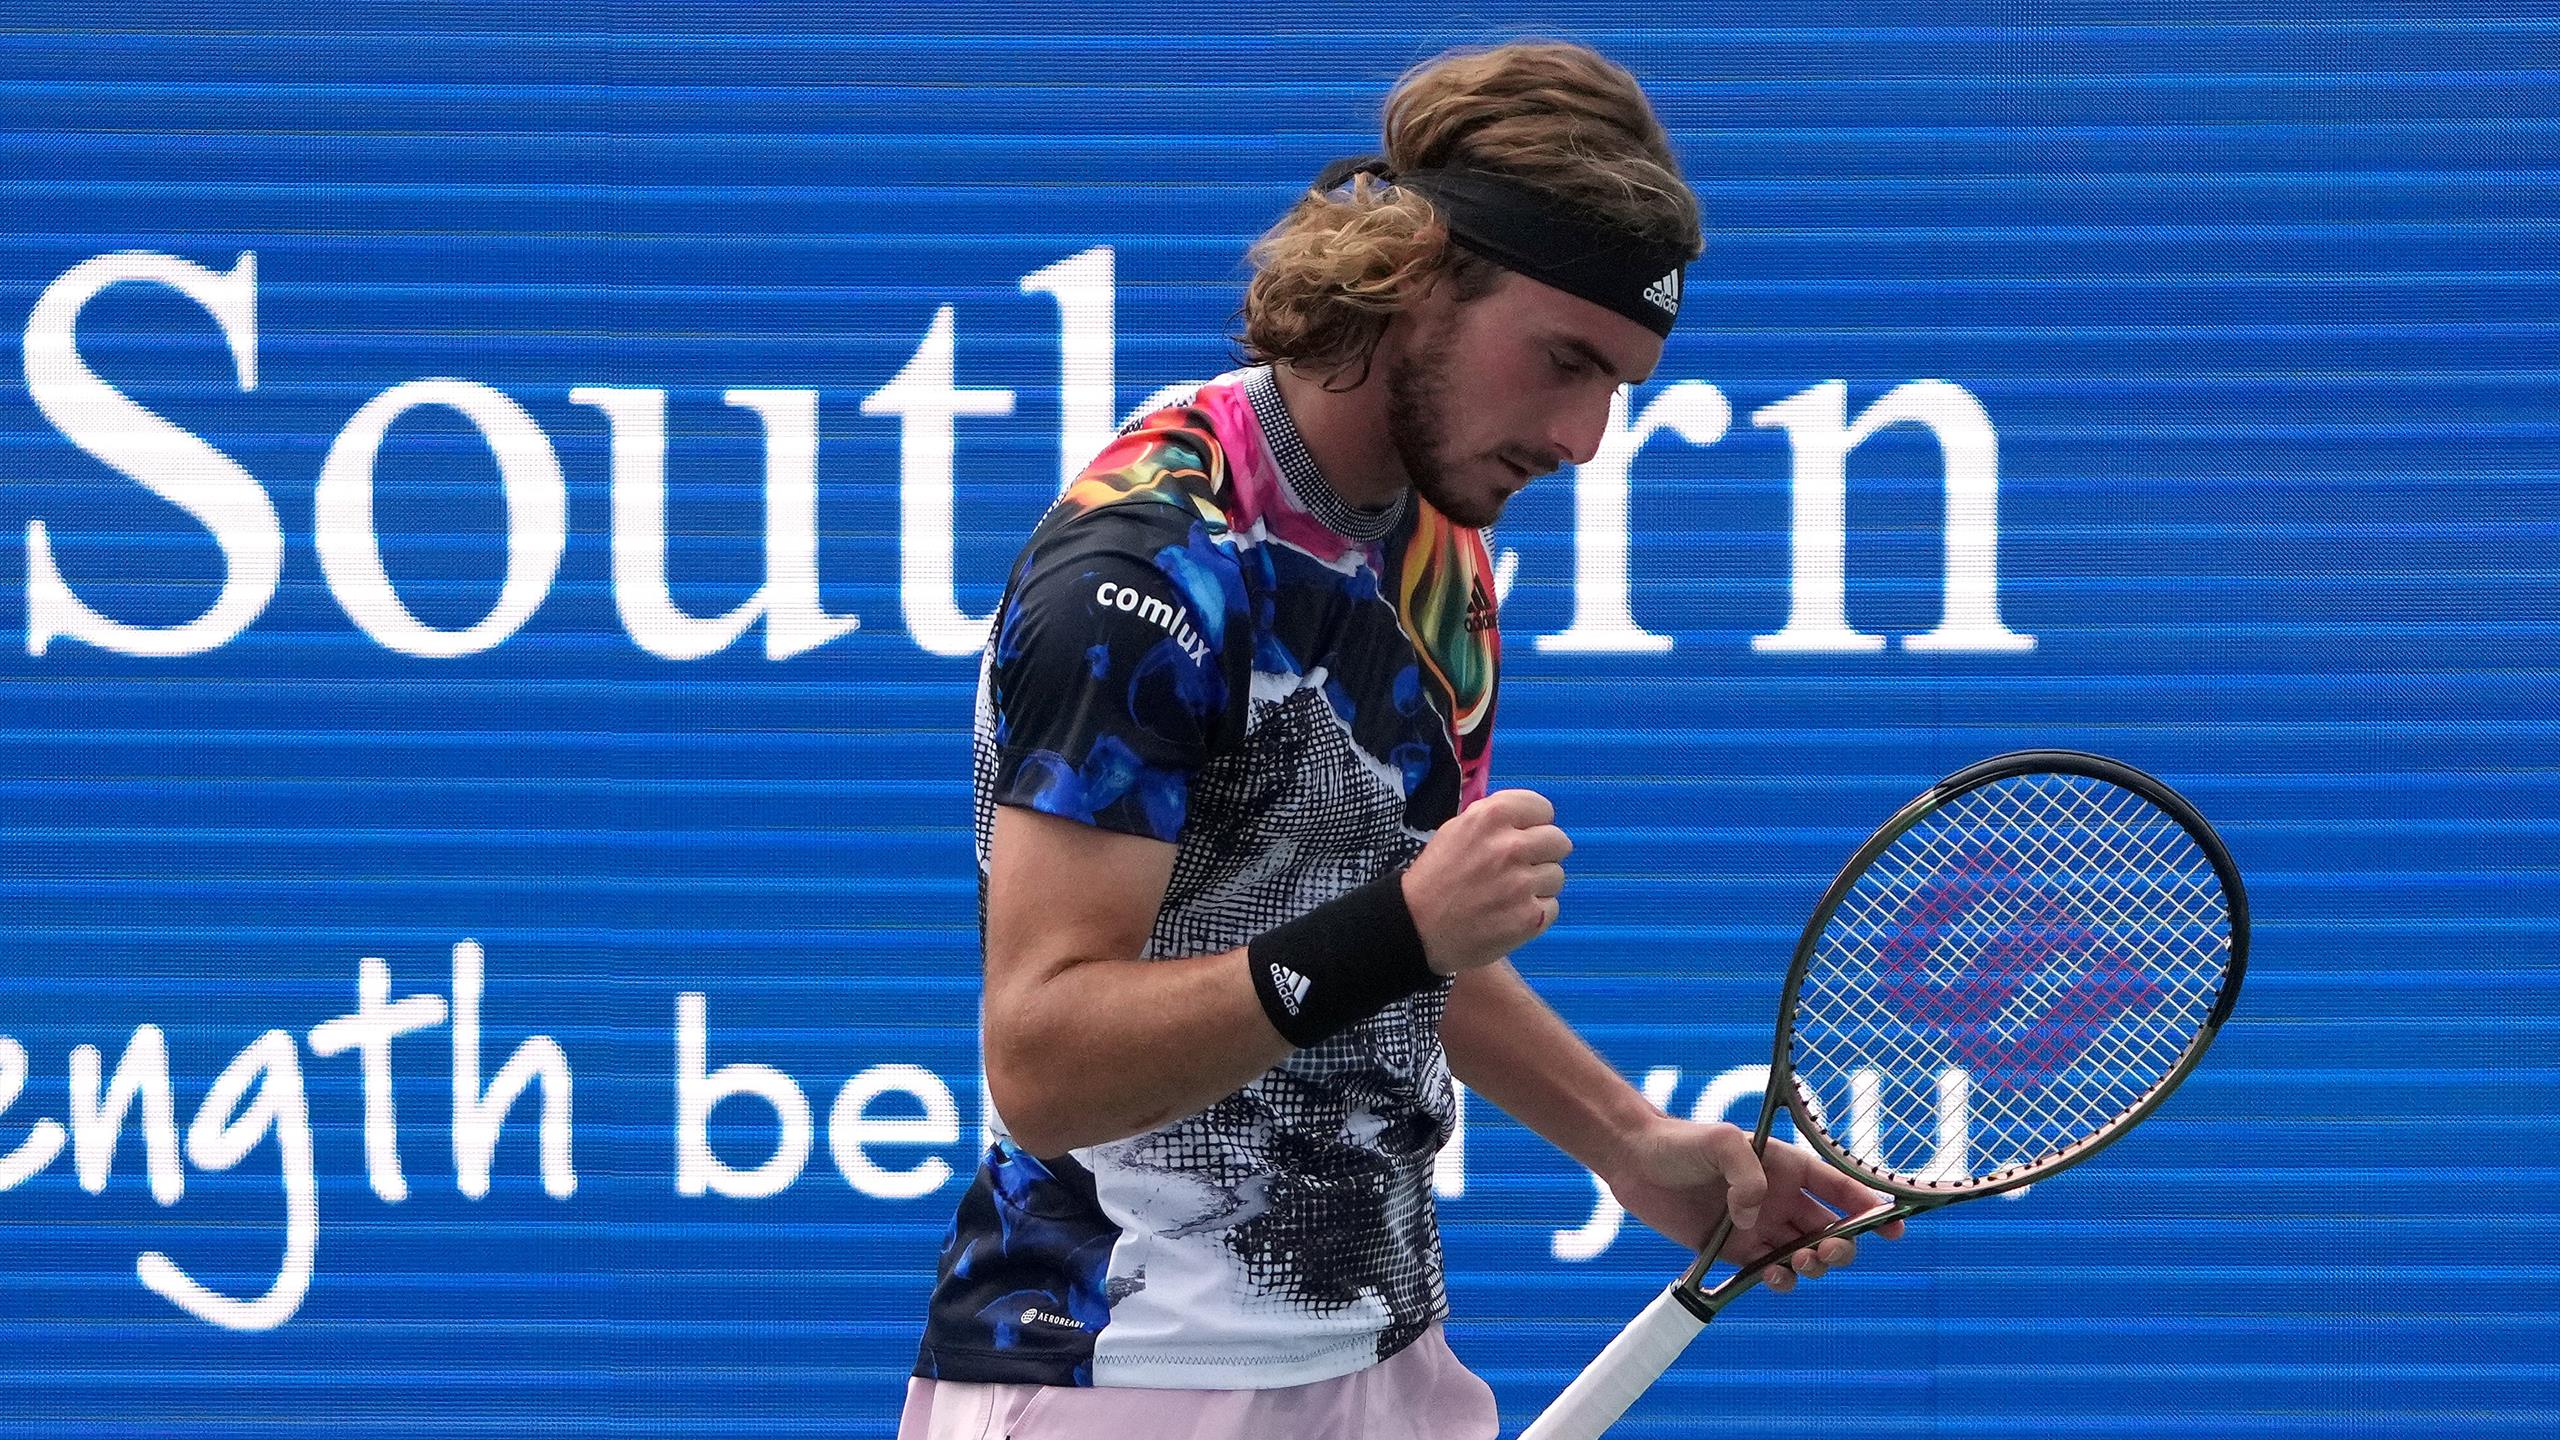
1061, 893
1109, 690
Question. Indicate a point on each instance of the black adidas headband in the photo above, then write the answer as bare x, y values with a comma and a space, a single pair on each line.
1523, 230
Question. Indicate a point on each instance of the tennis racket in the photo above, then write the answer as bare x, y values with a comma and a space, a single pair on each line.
2003, 980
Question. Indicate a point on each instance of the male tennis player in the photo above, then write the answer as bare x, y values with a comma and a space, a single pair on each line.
1247, 898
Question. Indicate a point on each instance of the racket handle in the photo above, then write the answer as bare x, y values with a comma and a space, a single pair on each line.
1611, 1383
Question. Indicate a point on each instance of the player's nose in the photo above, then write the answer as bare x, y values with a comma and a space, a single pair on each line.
1578, 429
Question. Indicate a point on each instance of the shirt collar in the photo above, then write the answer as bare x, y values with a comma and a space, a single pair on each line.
1298, 468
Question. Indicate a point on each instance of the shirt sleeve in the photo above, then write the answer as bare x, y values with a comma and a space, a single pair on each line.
1111, 677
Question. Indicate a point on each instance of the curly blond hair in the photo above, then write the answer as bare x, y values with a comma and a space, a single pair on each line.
1552, 115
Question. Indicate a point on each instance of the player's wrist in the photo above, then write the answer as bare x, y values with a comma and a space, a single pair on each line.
1340, 963
1630, 1136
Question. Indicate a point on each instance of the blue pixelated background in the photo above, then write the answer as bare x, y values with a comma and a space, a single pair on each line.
2259, 299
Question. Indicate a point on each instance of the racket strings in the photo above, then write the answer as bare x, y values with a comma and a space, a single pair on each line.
2169, 902
2053, 1011
2003, 912
2010, 976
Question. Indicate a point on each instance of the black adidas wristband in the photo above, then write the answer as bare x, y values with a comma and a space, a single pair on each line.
1339, 963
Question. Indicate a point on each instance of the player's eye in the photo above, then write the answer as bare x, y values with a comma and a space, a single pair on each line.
1568, 364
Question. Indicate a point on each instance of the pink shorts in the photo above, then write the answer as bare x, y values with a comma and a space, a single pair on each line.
1419, 1393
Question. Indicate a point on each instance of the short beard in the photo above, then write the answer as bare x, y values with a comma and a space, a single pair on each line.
1417, 421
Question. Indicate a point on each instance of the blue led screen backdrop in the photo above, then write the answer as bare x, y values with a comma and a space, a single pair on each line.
498, 509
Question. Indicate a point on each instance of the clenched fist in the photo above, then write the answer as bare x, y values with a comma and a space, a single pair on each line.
1487, 882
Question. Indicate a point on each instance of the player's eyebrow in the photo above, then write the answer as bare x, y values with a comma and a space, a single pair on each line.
1591, 353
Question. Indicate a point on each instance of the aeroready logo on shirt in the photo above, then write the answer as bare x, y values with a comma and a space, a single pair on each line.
1172, 620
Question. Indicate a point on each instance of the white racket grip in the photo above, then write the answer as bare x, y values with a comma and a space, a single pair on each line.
1613, 1380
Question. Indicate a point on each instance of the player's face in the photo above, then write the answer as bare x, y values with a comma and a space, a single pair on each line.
1487, 395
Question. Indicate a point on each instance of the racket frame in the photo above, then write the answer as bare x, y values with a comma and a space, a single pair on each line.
1909, 1200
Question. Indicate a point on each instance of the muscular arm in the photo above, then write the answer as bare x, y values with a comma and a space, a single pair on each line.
1509, 1047
1677, 1176
1085, 1042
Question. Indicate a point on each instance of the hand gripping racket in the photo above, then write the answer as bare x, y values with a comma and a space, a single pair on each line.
2016, 969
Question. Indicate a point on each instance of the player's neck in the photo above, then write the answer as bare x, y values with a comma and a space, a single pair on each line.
1345, 432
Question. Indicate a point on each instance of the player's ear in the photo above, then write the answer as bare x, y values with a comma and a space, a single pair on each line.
1430, 284
1422, 297
1428, 309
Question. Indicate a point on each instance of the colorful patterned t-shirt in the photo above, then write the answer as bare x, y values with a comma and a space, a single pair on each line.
1204, 645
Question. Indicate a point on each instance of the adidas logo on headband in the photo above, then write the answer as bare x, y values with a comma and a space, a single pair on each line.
1665, 293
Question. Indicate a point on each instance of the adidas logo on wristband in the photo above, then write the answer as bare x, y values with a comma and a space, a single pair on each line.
1340, 963
1291, 986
